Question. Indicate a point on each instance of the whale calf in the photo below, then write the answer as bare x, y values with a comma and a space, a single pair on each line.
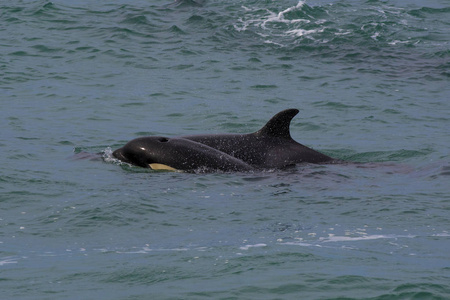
162, 153
271, 147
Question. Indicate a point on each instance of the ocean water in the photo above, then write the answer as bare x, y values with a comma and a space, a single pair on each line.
371, 80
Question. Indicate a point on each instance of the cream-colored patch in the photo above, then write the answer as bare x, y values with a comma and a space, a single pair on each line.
161, 167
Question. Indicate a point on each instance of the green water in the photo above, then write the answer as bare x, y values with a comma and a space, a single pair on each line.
371, 80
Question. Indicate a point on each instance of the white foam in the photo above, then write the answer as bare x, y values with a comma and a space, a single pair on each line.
443, 234
274, 17
246, 247
296, 7
302, 244
146, 250
6, 261
333, 238
320, 242
375, 36
395, 42
268, 21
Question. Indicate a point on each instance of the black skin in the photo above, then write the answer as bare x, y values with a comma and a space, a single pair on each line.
270, 147
178, 153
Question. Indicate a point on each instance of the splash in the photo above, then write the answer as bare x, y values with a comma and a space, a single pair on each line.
108, 156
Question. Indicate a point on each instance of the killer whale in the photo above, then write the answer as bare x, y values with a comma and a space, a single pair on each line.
270, 147
162, 153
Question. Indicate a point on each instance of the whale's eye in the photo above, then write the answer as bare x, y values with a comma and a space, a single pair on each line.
163, 140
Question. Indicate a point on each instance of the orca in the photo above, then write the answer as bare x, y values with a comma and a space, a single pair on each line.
162, 153
271, 147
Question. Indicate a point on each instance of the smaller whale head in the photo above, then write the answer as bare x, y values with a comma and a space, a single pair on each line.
143, 152
161, 153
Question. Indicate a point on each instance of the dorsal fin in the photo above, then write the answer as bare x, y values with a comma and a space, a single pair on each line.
278, 126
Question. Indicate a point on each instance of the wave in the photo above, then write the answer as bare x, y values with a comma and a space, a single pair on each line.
374, 35
337, 23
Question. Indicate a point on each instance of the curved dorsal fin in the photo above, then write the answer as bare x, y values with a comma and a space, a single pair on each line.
278, 126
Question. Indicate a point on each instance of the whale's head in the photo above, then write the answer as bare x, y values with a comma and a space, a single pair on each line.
147, 152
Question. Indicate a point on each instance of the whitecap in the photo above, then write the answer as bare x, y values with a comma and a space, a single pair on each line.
333, 238
6, 261
246, 247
